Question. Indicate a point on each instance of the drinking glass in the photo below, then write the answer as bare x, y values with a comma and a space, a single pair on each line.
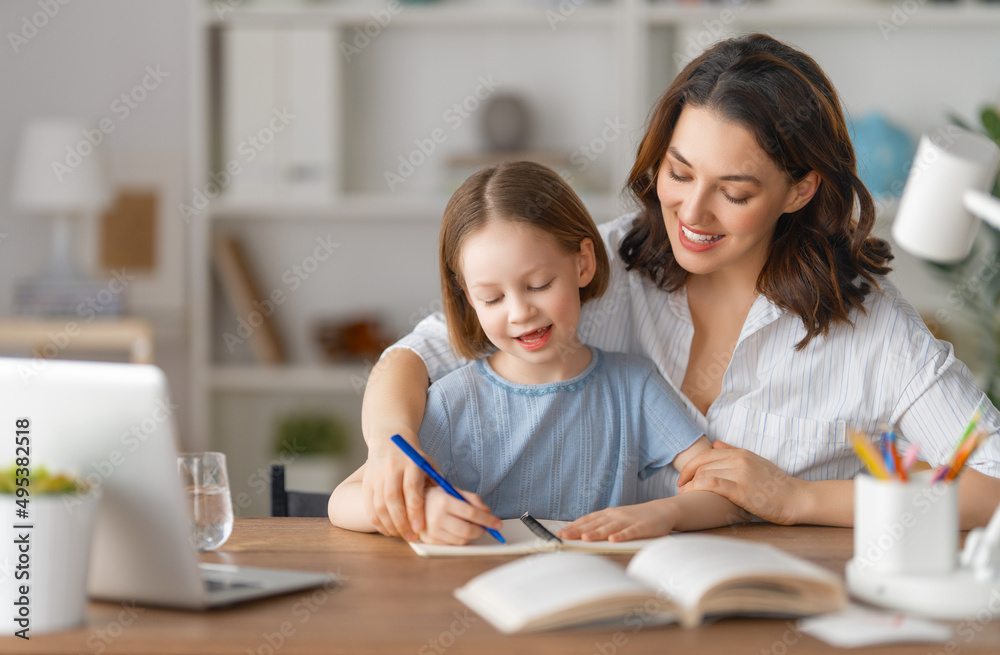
210, 505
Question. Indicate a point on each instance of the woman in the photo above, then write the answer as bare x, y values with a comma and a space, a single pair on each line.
749, 277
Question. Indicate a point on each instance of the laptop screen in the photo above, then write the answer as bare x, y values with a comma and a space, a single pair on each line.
113, 426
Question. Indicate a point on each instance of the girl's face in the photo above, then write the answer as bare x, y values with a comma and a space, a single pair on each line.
722, 196
525, 290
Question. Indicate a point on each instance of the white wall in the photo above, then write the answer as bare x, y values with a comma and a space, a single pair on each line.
78, 64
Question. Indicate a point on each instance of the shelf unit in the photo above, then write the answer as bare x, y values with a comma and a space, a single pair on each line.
578, 66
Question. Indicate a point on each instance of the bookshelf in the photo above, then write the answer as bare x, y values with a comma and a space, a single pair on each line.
384, 92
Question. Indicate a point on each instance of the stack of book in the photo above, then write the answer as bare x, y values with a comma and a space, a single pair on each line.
50, 297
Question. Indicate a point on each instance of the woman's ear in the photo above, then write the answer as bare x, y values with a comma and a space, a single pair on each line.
586, 262
802, 192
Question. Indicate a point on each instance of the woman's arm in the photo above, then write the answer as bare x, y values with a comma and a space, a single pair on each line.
392, 487
978, 497
764, 490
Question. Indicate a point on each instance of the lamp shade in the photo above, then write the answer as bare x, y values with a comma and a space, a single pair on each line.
59, 168
933, 222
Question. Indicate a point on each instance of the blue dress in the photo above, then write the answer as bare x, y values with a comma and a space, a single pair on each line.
558, 450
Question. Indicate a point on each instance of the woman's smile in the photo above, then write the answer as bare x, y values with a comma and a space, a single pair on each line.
696, 240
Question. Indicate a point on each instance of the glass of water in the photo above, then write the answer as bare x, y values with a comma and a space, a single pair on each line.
210, 505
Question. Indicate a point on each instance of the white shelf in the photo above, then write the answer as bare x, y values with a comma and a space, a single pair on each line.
445, 14
358, 207
337, 379
370, 208
454, 14
787, 14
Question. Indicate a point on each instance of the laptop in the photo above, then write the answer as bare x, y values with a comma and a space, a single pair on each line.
113, 424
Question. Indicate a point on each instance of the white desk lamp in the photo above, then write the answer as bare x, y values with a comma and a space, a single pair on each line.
937, 220
945, 194
59, 174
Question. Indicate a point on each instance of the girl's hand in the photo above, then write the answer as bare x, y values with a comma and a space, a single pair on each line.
746, 479
393, 492
653, 519
450, 521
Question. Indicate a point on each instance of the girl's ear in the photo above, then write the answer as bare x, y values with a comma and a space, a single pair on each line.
586, 262
802, 192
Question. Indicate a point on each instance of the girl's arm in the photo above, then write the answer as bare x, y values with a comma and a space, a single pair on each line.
391, 486
693, 511
346, 508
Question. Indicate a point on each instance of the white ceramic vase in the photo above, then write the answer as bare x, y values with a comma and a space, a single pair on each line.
50, 560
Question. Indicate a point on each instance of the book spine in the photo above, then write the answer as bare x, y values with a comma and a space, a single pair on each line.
245, 299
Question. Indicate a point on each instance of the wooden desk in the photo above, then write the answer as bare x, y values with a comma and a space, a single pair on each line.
394, 602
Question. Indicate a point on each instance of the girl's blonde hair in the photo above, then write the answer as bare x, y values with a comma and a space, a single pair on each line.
520, 192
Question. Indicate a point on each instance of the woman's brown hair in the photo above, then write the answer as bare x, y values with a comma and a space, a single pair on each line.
520, 192
822, 261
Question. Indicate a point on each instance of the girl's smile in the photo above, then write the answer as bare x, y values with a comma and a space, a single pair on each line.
535, 339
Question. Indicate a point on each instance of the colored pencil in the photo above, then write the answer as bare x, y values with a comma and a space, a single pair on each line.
964, 453
869, 455
910, 458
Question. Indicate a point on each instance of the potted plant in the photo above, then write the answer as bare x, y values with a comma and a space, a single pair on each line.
49, 521
312, 446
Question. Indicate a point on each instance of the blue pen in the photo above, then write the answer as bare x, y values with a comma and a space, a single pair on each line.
426, 467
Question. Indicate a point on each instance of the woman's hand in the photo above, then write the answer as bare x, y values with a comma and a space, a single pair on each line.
652, 519
746, 479
393, 491
451, 521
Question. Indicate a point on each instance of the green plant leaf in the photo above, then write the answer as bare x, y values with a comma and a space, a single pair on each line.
41, 482
308, 434
991, 122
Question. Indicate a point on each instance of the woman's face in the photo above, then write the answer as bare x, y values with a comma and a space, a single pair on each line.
721, 196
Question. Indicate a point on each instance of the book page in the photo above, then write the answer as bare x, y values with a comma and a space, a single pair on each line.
552, 589
686, 567
520, 541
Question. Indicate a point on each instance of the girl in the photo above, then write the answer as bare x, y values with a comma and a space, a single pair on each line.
749, 276
544, 424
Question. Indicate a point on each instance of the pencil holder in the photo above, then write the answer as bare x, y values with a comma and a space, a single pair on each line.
906, 528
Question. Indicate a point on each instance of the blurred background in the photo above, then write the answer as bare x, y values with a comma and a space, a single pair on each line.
247, 193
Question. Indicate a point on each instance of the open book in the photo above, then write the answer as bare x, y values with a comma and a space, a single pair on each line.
680, 578
521, 541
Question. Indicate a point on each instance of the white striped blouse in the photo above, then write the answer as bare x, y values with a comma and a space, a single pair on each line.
792, 407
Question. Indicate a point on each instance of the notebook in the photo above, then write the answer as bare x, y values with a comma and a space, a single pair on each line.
113, 424
521, 540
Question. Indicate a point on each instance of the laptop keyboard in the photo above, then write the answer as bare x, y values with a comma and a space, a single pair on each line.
218, 584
